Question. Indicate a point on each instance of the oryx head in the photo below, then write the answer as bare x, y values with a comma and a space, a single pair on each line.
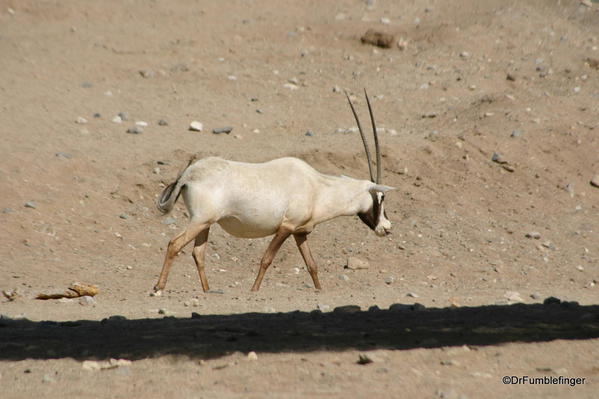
375, 217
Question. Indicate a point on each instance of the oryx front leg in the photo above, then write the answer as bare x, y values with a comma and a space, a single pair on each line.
269, 255
175, 246
199, 254
301, 240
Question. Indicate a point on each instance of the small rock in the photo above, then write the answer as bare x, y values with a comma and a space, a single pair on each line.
30, 204
141, 123
162, 122
516, 133
196, 126
8, 210
218, 291
363, 359
124, 216
219, 130
290, 86
464, 54
595, 181
379, 39
535, 295
97, 115
389, 280
513, 296
323, 308
169, 220
354, 263
117, 119
552, 301
47, 378
87, 300
124, 116
135, 130
81, 120
309, 133
195, 302
533, 234
147, 73
347, 309
498, 158
413, 295
343, 277
511, 77
252, 356
63, 155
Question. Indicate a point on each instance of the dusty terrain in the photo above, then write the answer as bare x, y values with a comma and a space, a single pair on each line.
474, 79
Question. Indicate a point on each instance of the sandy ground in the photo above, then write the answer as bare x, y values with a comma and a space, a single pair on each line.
472, 79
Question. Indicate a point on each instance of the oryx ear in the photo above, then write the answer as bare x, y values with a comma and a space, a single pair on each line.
380, 188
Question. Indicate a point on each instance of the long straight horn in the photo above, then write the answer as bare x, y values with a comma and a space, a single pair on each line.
379, 173
363, 137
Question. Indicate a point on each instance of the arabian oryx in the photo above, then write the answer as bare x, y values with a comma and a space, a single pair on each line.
284, 197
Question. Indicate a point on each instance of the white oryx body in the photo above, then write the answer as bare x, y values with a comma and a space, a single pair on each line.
251, 200
284, 197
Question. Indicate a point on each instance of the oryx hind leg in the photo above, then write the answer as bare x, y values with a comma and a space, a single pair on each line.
301, 239
199, 254
175, 245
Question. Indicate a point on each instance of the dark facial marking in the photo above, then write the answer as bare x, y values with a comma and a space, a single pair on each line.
371, 217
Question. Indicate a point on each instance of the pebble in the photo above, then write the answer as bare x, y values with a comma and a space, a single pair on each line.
533, 234
323, 308
196, 126
165, 312
290, 86
47, 378
354, 263
97, 115
135, 130
141, 123
516, 133
347, 309
343, 277
218, 291
498, 158
595, 181
87, 300
389, 280
464, 54
162, 122
336, 89
63, 155
124, 216
219, 130
124, 116
81, 120
195, 302
513, 296
169, 220
252, 356
309, 133
30, 204
147, 73
413, 295
535, 295
117, 119
363, 359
